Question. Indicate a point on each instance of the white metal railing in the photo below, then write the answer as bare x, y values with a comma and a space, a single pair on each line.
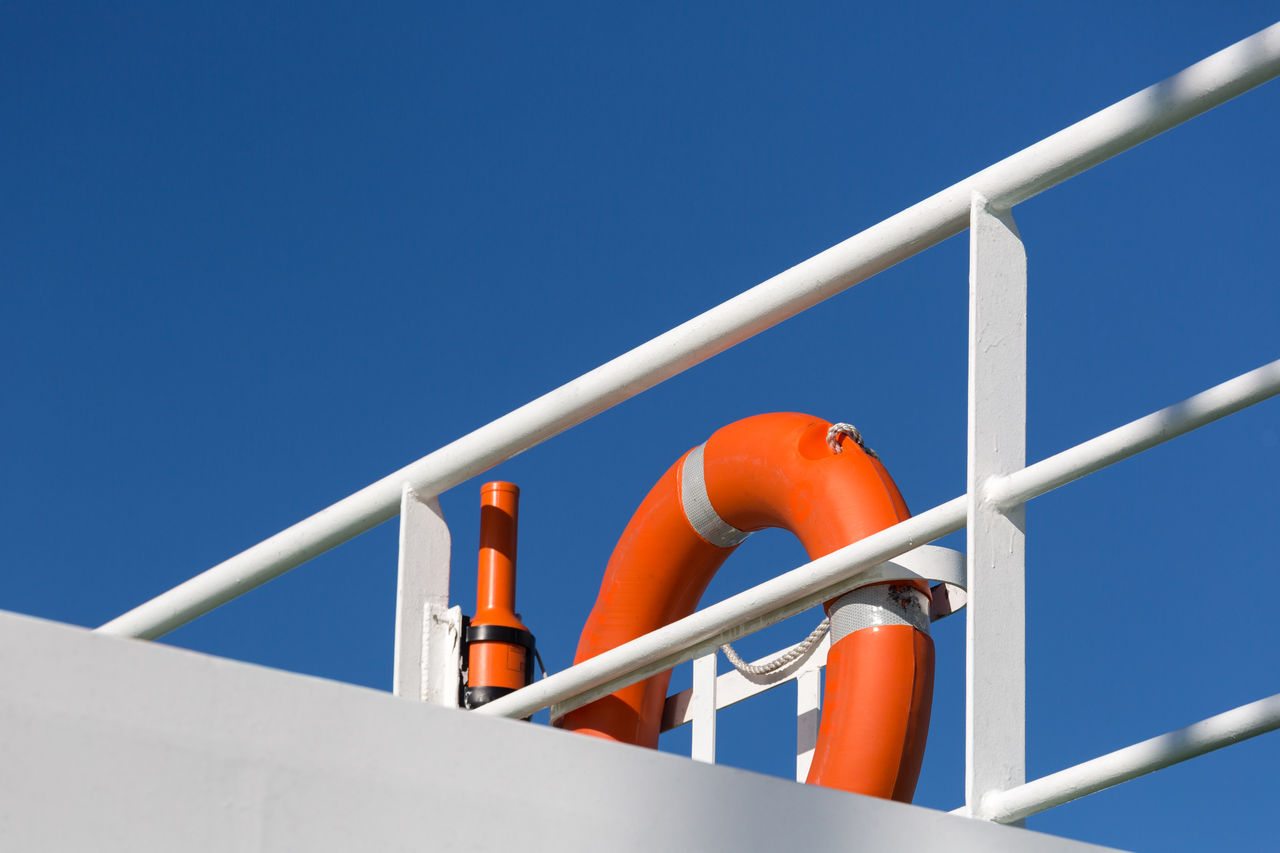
821, 579
697, 706
998, 483
711, 692
1124, 764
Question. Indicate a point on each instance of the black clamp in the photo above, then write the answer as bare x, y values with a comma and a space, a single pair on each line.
474, 697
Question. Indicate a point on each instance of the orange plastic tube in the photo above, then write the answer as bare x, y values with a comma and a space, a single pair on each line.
771, 470
497, 666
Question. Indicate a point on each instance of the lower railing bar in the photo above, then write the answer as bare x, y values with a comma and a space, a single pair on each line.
1124, 764
1134, 437
1070, 151
727, 620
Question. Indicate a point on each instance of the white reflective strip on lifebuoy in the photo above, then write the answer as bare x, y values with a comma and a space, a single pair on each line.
882, 604
702, 516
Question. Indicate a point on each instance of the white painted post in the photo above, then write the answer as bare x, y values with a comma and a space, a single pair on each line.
995, 660
704, 708
808, 705
428, 632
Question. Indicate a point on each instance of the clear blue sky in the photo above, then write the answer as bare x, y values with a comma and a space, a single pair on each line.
256, 256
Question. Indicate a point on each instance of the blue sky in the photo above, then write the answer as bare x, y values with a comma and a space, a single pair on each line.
257, 256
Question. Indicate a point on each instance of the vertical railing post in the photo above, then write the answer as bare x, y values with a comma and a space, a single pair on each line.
703, 704
995, 660
808, 705
428, 633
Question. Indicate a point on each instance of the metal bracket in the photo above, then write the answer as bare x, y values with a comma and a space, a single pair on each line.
944, 569
442, 655
428, 632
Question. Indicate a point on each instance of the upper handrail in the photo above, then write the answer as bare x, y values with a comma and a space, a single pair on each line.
1065, 154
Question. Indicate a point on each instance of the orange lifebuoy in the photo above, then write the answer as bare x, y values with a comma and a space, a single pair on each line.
776, 470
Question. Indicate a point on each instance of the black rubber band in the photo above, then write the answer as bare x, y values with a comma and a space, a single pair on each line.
499, 634
477, 696
481, 694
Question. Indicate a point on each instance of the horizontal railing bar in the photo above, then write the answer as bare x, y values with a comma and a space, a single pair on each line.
1067, 153
819, 580
1136, 436
727, 620
1124, 764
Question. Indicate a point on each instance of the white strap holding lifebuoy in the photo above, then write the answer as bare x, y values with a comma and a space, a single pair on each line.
944, 569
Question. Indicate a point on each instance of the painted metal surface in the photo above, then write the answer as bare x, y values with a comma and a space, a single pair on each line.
442, 655
422, 597
945, 569
703, 708
224, 756
1150, 755
1069, 152
995, 659
808, 709
1196, 411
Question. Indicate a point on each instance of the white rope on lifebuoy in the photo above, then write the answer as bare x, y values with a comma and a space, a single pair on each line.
837, 430
791, 655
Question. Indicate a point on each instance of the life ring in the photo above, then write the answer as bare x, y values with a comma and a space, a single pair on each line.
776, 470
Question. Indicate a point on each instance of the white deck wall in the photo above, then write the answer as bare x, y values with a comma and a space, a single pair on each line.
112, 744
